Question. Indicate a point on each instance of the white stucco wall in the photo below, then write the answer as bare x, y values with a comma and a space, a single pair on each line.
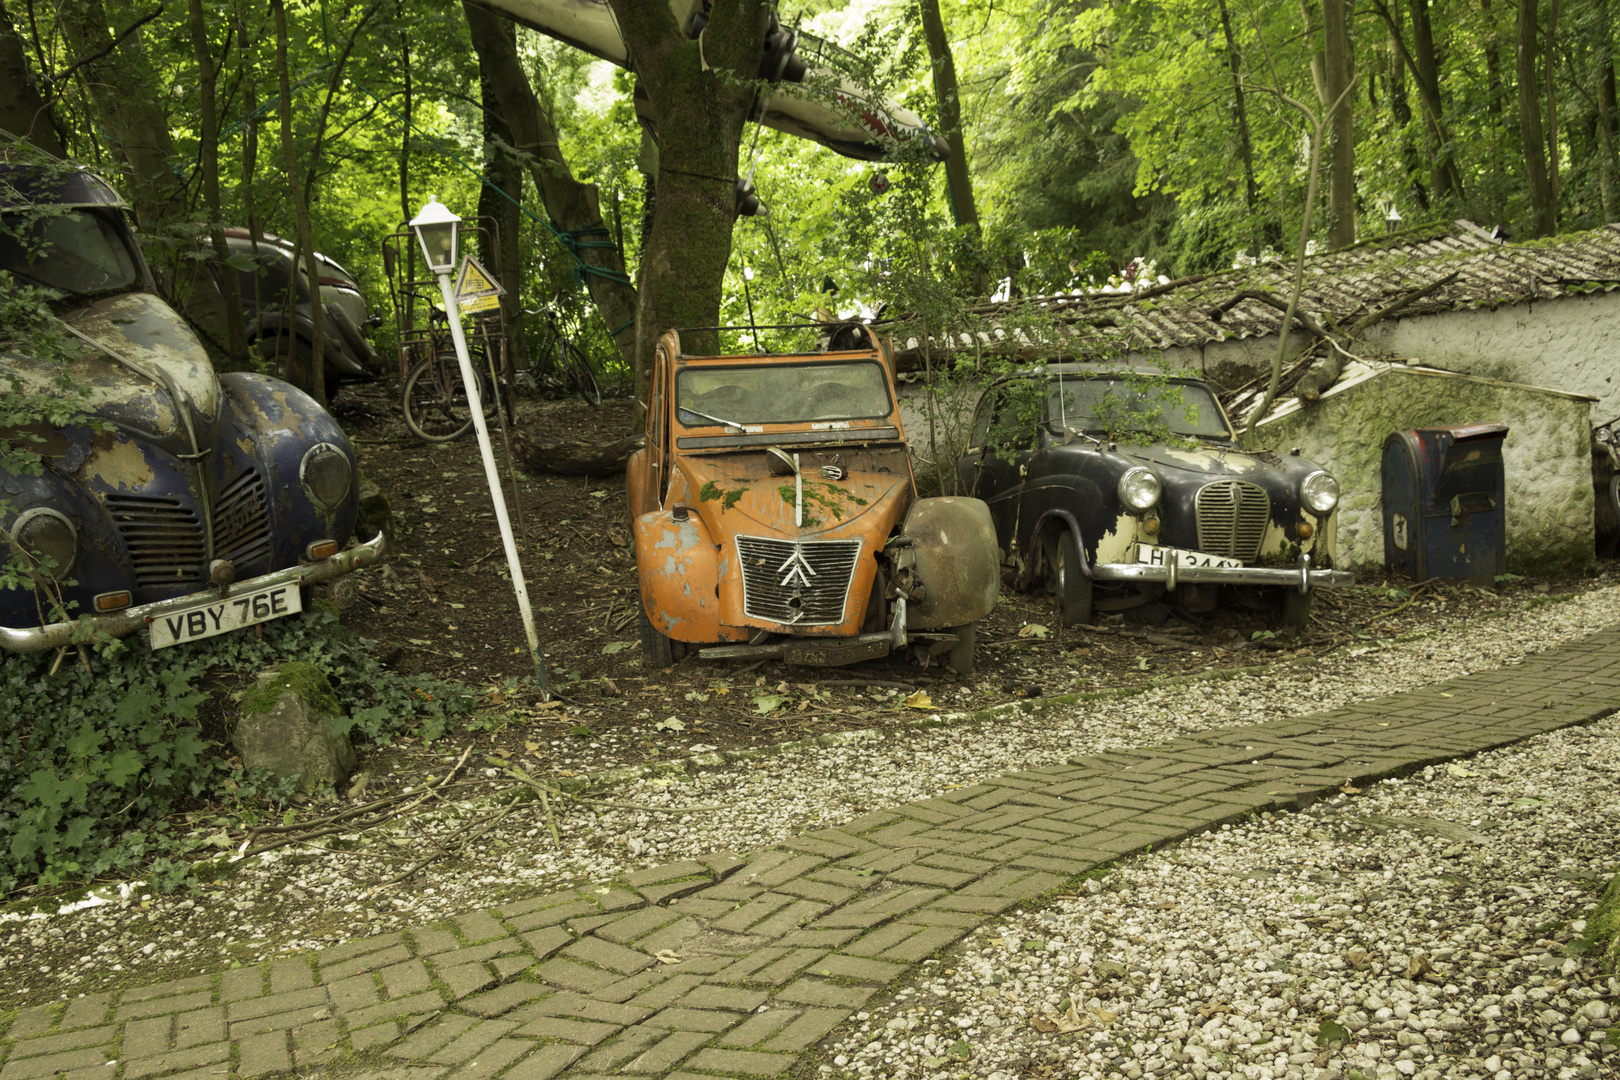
1546, 457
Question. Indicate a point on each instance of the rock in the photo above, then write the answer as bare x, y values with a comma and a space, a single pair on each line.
287, 726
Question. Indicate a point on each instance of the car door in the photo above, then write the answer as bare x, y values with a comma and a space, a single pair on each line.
1003, 455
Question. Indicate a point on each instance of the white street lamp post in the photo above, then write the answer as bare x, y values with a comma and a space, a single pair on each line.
437, 231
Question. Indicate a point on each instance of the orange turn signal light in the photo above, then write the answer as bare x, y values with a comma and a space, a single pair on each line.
1151, 526
113, 601
321, 549
1305, 530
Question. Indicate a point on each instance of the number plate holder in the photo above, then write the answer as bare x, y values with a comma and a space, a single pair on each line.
215, 617
1151, 555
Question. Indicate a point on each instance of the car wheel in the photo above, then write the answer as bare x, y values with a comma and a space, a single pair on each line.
961, 654
290, 360
1296, 610
657, 651
1070, 583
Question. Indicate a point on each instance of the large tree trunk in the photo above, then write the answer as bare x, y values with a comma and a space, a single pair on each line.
24, 112
1603, 74
128, 97
1422, 61
1543, 215
1251, 189
503, 174
700, 92
1341, 138
950, 120
305, 247
235, 329
1549, 67
574, 207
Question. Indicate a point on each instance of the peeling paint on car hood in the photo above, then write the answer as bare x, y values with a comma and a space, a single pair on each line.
738, 493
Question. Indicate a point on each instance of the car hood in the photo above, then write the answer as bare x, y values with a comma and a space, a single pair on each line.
1207, 462
144, 366
737, 493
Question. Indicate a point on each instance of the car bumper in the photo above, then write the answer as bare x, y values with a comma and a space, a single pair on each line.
1301, 577
126, 622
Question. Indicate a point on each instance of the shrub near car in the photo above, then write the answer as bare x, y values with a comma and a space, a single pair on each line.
186, 504
1123, 489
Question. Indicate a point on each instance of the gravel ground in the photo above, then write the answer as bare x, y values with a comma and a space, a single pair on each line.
1231, 943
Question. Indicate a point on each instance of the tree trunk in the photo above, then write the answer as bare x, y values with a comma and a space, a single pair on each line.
1543, 216
208, 152
574, 207
305, 248
1400, 108
503, 173
950, 121
1495, 92
1603, 71
128, 96
24, 112
1341, 138
1251, 189
1549, 67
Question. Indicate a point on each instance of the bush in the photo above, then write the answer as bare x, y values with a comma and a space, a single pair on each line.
93, 761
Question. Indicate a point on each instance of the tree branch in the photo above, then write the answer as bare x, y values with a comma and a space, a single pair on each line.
99, 53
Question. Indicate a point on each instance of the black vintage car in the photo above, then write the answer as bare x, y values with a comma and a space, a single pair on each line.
1124, 489
178, 502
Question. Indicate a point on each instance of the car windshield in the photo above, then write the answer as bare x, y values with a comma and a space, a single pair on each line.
772, 393
1117, 405
80, 251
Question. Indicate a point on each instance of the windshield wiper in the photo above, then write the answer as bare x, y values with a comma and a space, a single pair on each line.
709, 416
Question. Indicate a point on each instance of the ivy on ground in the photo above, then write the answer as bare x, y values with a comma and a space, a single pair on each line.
94, 760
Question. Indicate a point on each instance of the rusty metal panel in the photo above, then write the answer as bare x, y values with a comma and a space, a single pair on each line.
957, 561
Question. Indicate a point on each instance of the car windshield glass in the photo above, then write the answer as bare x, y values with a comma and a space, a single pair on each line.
1115, 405
767, 393
77, 252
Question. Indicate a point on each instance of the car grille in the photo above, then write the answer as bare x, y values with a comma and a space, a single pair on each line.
164, 538
804, 582
242, 521
1232, 519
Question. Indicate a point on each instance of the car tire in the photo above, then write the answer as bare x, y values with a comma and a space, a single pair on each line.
290, 360
657, 650
1070, 584
1296, 611
961, 654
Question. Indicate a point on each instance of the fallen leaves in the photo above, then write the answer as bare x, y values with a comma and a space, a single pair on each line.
919, 700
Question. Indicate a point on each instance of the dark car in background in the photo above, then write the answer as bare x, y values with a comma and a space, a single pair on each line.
177, 501
277, 308
1125, 489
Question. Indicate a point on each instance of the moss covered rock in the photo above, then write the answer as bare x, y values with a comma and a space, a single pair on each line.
288, 726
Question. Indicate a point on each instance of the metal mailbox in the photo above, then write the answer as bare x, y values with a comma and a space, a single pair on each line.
1444, 514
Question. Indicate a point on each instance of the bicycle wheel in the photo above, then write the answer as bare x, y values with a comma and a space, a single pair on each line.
576, 370
435, 400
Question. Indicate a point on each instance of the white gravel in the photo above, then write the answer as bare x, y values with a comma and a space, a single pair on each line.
1223, 970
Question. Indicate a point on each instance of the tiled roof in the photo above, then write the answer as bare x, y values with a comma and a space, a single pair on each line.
1339, 289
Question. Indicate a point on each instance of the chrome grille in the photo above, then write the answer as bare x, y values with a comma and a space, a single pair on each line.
242, 521
164, 538
1232, 519
804, 582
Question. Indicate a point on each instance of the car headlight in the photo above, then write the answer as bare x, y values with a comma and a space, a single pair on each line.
326, 475
1139, 488
47, 533
1319, 493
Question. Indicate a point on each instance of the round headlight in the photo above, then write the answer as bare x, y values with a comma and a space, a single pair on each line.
326, 475
1319, 493
47, 534
1139, 488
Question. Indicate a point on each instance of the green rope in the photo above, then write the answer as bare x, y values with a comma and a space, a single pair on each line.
621, 327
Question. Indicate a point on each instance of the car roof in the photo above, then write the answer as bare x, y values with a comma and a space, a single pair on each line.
54, 185
1093, 371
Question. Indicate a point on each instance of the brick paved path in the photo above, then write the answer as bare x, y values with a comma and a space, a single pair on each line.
773, 950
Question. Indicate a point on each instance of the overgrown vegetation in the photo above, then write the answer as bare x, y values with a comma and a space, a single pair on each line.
94, 759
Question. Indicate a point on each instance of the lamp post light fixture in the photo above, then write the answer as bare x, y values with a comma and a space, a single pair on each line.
436, 230
1392, 220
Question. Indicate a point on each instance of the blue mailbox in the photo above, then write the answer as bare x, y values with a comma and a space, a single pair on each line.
1444, 514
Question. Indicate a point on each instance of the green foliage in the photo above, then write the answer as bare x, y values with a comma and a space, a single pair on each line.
93, 759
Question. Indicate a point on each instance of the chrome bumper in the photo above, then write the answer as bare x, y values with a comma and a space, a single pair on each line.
1301, 577
123, 623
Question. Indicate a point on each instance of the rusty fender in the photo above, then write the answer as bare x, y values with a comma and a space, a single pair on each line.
953, 543
679, 572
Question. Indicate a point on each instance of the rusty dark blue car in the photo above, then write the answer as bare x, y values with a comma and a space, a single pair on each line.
180, 502
1125, 489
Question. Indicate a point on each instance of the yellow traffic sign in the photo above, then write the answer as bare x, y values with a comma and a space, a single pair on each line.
476, 288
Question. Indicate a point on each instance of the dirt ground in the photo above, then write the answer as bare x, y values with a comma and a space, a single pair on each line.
444, 603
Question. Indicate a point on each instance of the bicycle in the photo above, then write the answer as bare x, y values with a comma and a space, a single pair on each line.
562, 360
434, 398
